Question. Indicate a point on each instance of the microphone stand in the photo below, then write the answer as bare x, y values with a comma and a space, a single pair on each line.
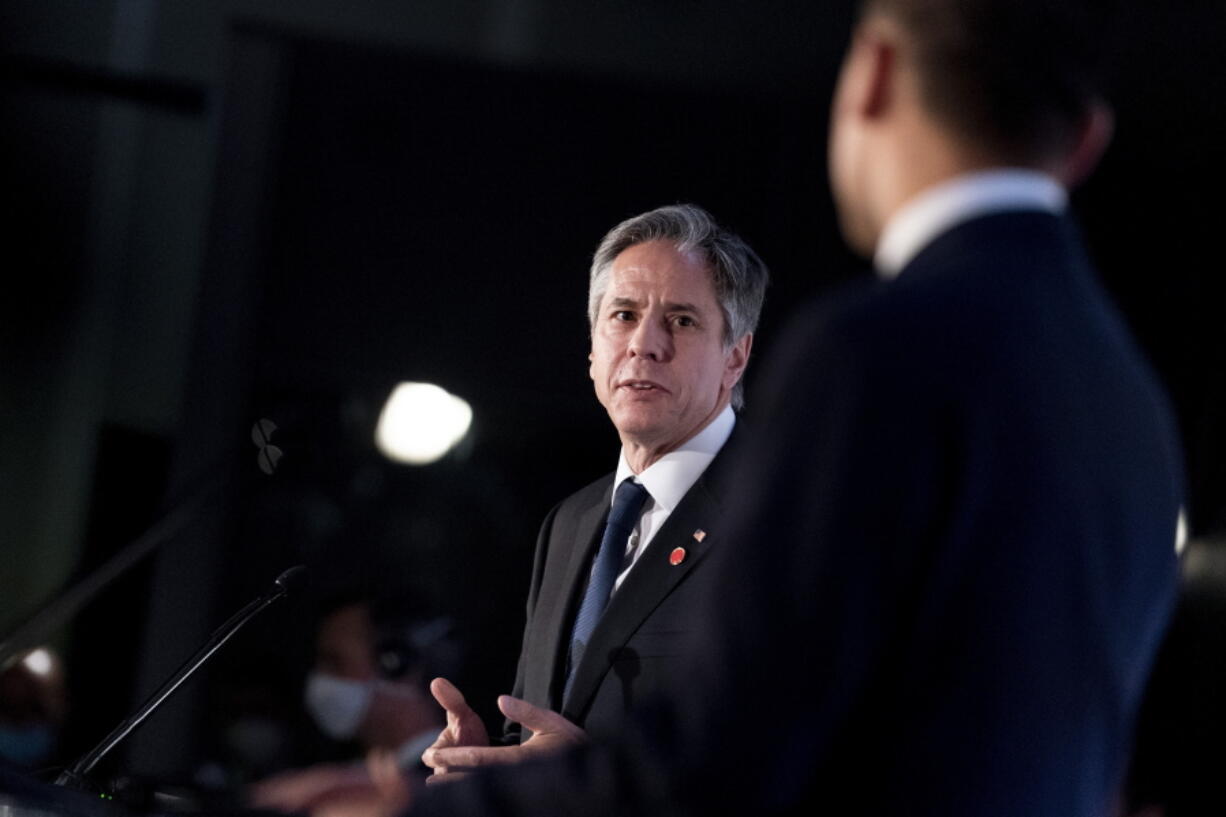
75, 776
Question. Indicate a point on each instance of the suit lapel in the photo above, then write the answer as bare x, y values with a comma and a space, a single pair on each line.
649, 583
589, 526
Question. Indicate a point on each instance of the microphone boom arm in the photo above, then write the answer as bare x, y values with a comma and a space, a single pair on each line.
75, 775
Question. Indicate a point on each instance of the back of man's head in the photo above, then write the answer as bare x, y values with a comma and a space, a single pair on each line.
1015, 78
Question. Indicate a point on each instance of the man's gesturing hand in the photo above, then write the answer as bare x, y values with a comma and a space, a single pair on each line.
550, 733
464, 726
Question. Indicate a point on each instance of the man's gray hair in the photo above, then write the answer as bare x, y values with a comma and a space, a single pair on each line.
738, 274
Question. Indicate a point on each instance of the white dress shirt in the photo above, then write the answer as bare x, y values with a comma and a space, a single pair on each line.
945, 205
668, 480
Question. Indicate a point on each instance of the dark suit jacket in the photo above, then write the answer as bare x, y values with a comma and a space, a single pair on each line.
953, 564
636, 649
979, 480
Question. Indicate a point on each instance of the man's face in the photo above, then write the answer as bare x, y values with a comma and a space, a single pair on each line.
847, 157
658, 359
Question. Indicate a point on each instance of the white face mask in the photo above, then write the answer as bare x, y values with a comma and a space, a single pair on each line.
338, 705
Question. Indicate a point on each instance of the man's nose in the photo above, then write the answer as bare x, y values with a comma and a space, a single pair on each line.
651, 340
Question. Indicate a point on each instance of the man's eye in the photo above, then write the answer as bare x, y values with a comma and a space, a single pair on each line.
685, 320
623, 315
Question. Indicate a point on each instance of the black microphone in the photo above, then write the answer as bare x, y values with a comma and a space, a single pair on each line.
74, 776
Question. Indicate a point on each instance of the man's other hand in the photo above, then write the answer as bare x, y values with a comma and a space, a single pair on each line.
464, 726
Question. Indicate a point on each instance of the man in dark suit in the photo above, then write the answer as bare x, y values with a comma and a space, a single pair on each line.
673, 303
955, 553
978, 468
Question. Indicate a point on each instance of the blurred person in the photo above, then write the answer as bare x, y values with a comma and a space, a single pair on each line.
673, 302
955, 551
373, 662
33, 705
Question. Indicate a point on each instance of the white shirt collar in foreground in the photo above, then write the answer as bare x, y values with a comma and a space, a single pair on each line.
669, 478
942, 206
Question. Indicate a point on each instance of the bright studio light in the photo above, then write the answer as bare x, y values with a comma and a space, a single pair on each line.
38, 662
420, 423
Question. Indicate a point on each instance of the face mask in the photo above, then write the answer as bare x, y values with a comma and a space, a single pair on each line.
337, 705
26, 746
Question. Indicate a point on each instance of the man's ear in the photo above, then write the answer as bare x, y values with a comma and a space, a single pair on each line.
738, 359
1093, 137
871, 70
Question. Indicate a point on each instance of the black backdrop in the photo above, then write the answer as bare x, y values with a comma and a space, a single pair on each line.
383, 214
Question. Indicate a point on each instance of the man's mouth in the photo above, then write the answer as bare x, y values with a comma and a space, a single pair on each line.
640, 386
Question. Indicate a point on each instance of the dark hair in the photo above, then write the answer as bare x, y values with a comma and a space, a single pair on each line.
1015, 76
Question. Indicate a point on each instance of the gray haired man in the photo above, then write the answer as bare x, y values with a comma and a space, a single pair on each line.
673, 303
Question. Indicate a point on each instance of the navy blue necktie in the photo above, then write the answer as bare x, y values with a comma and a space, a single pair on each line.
627, 505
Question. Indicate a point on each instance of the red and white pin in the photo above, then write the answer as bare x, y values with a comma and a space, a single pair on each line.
676, 557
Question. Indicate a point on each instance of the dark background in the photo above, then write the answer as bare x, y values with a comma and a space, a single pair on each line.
219, 212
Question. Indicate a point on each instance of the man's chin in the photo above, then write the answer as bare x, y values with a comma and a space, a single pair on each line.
640, 426
858, 234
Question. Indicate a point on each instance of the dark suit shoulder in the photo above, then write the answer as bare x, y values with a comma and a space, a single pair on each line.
999, 305
560, 524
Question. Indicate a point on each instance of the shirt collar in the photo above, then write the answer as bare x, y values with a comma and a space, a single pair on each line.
670, 478
938, 208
